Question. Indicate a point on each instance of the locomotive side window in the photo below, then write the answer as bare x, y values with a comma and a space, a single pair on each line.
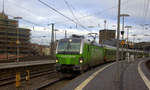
88, 48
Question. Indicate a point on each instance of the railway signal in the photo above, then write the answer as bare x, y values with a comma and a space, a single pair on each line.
122, 42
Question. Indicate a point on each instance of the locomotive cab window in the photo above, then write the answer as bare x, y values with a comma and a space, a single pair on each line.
69, 46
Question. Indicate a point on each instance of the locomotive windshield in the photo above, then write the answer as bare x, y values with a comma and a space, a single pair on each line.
69, 46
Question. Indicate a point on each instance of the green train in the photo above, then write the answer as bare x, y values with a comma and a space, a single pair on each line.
78, 54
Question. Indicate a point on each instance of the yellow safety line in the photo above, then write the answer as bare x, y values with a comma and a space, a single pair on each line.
85, 82
145, 79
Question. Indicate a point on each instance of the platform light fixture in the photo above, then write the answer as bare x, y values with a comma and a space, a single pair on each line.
118, 36
18, 41
122, 32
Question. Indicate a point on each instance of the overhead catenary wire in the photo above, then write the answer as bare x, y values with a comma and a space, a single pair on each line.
58, 22
30, 23
62, 14
104, 10
25, 8
146, 9
31, 13
143, 12
70, 9
82, 17
27, 21
3, 7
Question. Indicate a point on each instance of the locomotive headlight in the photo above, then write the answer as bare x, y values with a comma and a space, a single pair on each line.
81, 61
56, 61
70, 40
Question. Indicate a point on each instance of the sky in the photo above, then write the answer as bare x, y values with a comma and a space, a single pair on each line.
86, 16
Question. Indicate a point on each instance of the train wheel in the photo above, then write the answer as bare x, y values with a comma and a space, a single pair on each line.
105, 59
61, 75
82, 70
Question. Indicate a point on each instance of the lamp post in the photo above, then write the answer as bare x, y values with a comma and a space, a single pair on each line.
105, 30
134, 37
128, 27
52, 41
134, 45
114, 27
144, 26
6, 38
123, 19
127, 46
118, 36
147, 35
139, 44
55, 33
18, 41
65, 33
122, 32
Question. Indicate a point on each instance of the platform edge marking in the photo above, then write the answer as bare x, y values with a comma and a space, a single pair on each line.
85, 82
145, 79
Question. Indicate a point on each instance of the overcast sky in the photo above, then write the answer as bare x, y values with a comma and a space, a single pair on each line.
84, 12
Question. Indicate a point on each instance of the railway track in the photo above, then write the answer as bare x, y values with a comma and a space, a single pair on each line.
56, 84
8, 76
10, 80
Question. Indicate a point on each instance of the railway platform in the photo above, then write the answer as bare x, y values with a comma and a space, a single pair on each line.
27, 75
132, 76
25, 64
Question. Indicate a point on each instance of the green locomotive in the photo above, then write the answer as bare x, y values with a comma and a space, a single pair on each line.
78, 54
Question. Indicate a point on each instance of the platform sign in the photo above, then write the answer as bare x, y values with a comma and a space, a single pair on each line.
17, 42
122, 42
18, 79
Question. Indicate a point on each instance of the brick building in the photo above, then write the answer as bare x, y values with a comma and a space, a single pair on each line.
105, 35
